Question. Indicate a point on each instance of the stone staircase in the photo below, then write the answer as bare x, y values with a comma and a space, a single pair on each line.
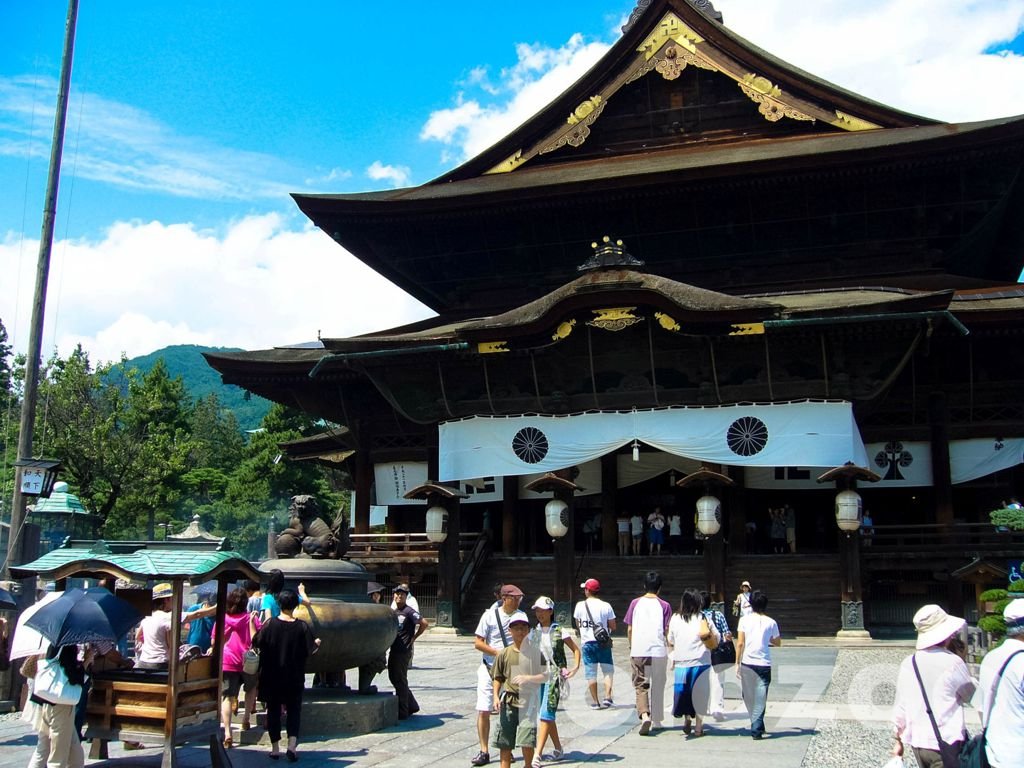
803, 590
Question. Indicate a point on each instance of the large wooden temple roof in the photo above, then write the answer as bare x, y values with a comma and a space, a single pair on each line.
726, 167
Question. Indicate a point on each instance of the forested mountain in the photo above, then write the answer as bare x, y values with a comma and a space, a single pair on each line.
186, 361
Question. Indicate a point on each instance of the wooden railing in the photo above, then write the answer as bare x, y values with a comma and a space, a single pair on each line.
471, 565
937, 538
378, 546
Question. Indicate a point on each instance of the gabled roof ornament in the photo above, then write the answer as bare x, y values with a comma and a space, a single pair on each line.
704, 6
609, 255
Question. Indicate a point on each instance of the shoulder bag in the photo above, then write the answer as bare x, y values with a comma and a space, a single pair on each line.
706, 634
972, 754
52, 684
950, 752
725, 652
601, 636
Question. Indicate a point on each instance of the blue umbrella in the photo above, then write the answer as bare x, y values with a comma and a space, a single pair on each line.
7, 601
84, 616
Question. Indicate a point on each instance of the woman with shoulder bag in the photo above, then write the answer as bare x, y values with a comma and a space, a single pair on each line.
56, 681
722, 657
932, 686
240, 626
691, 659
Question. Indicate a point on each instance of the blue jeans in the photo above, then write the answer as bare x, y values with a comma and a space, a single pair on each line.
754, 682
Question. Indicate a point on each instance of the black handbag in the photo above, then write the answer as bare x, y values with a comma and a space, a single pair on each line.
725, 653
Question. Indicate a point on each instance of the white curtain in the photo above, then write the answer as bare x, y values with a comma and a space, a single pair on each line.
784, 434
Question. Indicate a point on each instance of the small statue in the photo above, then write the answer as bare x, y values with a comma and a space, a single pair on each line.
309, 533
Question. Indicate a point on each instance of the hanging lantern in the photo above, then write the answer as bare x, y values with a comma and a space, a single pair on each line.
849, 509
556, 518
437, 524
636, 451
709, 515
672, 479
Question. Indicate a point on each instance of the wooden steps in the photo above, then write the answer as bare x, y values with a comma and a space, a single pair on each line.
803, 590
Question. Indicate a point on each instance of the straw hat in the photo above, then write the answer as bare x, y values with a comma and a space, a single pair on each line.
934, 625
161, 591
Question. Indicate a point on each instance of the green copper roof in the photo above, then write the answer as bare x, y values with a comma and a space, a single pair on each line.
141, 564
60, 504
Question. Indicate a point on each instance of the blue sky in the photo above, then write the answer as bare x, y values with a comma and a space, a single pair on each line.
191, 122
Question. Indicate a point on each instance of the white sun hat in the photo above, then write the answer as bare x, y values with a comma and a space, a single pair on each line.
934, 625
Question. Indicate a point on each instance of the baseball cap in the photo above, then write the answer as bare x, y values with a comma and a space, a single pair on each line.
401, 588
544, 602
1013, 613
592, 584
744, 583
511, 590
518, 618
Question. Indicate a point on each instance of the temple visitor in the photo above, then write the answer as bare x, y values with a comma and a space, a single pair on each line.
647, 620
691, 663
240, 627
675, 534
741, 605
516, 677
756, 635
269, 606
154, 635
932, 686
622, 526
636, 527
58, 744
284, 643
491, 635
722, 657
655, 531
552, 639
410, 626
590, 613
1000, 695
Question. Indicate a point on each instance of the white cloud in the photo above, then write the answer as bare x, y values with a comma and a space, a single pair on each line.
335, 174
922, 56
146, 285
396, 175
124, 146
539, 75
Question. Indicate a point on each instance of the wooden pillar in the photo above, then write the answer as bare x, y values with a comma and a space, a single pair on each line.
449, 568
851, 594
565, 563
938, 424
169, 759
509, 502
609, 487
364, 482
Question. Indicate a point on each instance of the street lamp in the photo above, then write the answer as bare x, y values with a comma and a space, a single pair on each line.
167, 528
38, 476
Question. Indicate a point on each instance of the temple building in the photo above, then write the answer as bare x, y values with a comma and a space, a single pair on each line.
698, 273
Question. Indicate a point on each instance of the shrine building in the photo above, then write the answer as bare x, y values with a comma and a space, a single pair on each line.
698, 273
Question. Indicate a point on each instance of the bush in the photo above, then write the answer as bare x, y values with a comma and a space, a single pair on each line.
992, 595
1008, 517
992, 624
1017, 586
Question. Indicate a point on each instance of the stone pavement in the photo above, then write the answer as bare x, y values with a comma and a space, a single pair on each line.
443, 679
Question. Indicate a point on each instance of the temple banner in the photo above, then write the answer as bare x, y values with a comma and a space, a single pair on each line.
395, 479
904, 464
786, 434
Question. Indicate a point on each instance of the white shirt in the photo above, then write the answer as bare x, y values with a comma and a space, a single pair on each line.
684, 637
646, 620
949, 686
156, 634
409, 600
675, 526
744, 601
487, 628
601, 611
1005, 734
637, 523
758, 632
623, 523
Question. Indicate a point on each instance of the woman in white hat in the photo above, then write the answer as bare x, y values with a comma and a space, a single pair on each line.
552, 640
932, 686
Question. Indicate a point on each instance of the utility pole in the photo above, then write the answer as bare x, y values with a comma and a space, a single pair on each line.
35, 340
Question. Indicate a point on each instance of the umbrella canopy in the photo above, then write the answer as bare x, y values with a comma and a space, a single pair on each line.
27, 641
7, 601
84, 616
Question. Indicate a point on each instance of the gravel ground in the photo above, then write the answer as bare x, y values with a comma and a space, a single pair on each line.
860, 677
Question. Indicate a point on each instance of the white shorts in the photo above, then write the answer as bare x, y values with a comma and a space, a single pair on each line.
484, 688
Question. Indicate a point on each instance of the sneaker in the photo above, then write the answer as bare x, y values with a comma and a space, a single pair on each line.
536, 763
718, 716
645, 726
595, 705
557, 754
607, 703
482, 758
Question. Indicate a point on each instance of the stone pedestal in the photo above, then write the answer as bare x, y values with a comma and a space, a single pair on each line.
328, 712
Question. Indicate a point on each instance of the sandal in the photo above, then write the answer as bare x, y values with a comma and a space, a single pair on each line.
536, 763
246, 725
228, 743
